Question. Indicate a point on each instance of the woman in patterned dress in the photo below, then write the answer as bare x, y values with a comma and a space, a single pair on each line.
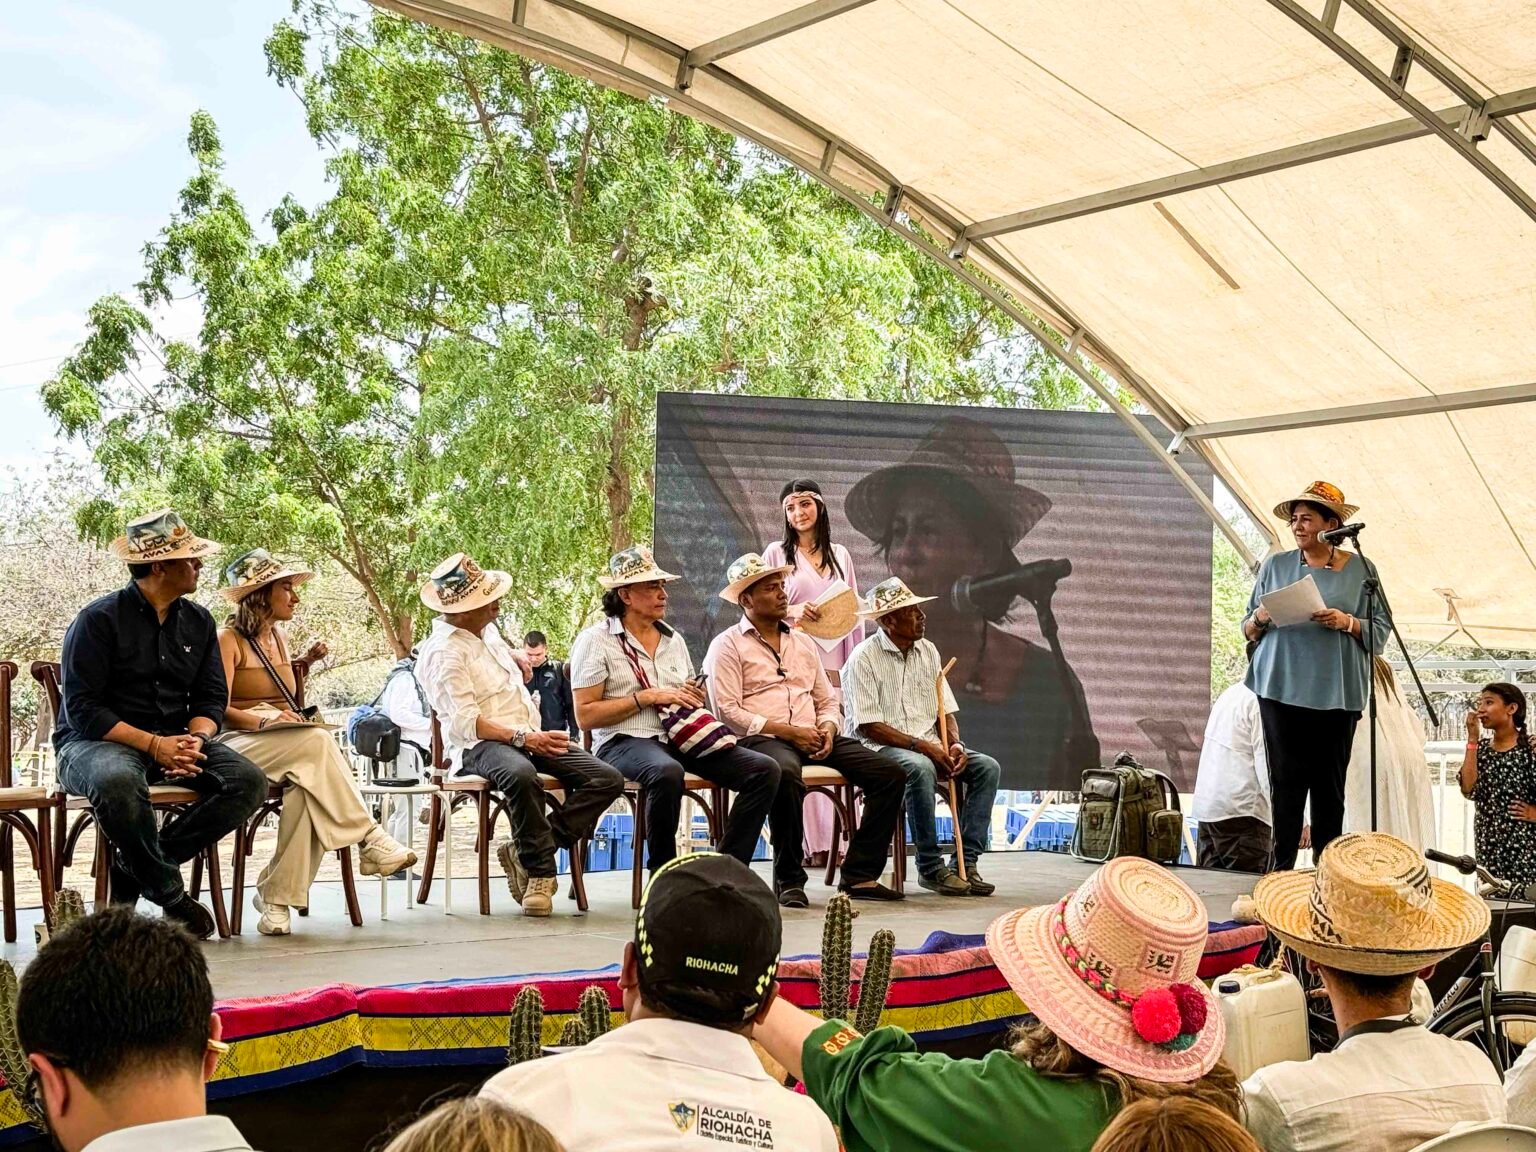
1499, 775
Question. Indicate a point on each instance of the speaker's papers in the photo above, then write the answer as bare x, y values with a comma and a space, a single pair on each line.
1295, 603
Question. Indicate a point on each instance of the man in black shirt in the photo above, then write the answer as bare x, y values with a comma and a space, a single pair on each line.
143, 695
553, 684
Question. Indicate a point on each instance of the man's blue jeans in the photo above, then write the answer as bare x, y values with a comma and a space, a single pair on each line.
116, 778
979, 784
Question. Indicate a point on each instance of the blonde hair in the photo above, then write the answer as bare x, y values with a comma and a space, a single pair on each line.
474, 1124
1174, 1124
253, 612
1050, 1055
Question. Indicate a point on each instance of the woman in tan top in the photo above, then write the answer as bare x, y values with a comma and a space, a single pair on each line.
321, 810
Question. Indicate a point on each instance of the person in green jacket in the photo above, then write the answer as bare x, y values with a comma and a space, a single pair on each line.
1107, 973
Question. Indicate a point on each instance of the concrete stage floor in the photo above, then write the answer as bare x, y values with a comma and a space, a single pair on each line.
422, 943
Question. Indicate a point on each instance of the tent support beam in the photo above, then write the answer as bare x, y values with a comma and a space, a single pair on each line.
516, 37
771, 29
1360, 140
1359, 413
1394, 86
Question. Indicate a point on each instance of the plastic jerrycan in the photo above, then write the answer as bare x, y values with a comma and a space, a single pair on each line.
1266, 1015
1517, 973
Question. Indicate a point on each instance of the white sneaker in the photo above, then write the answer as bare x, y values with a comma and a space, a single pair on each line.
539, 899
382, 855
276, 919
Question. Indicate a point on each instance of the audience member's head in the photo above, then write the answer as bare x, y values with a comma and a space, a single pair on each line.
1369, 919
116, 1017
1174, 1124
474, 1124
536, 644
1109, 973
706, 946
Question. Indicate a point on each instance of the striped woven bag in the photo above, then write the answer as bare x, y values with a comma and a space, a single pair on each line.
694, 731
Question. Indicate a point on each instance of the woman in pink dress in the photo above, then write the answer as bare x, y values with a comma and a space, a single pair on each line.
818, 563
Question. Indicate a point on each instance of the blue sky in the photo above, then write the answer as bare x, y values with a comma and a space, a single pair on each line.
95, 99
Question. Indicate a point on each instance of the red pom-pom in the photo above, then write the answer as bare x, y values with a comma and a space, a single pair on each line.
1156, 1016
1192, 1007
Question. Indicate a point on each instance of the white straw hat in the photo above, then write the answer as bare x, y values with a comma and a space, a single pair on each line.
746, 571
459, 585
890, 595
251, 570
633, 566
161, 535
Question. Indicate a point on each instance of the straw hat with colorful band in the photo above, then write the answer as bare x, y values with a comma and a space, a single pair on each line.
1111, 970
459, 585
256, 568
1322, 493
161, 535
1371, 907
633, 566
746, 571
957, 450
889, 596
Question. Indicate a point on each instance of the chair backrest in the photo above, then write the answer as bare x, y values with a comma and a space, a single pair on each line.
300, 675
440, 762
1491, 1137
46, 673
8, 672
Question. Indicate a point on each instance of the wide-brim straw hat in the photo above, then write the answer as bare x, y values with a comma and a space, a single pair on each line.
256, 569
890, 595
460, 585
746, 571
1319, 492
161, 535
835, 618
1136, 928
956, 449
1371, 907
633, 566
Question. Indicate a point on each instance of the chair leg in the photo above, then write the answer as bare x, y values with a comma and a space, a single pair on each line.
578, 884
237, 880
899, 851
637, 866
56, 857
215, 888
349, 886
8, 881
438, 813
483, 849
101, 869
45, 863
834, 854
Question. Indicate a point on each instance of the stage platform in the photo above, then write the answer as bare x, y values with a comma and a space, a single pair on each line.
422, 944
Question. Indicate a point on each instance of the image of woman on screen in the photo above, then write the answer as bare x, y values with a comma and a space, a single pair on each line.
947, 522
819, 563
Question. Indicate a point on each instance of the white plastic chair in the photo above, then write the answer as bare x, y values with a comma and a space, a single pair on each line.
1487, 1137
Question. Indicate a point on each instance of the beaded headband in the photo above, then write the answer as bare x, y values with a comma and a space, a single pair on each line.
1170, 1017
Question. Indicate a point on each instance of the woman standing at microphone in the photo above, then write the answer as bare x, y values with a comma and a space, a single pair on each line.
818, 564
1311, 678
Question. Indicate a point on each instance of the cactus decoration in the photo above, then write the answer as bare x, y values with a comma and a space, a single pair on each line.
526, 1030
67, 908
574, 1034
593, 1011
837, 968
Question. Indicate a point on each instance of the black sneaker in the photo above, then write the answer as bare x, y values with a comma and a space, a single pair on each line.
122, 886
979, 887
945, 883
792, 896
870, 892
192, 916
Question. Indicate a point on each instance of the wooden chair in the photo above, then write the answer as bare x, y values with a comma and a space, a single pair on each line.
164, 798
489, 807
15, 803
245, 840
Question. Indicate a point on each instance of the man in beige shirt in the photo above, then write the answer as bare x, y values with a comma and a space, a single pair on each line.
491, 728
770, 687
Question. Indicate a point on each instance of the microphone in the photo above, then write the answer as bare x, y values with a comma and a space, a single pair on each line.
990, 596
1338, 535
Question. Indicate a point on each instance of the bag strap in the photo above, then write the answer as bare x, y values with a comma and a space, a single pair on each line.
293, 704
634, 660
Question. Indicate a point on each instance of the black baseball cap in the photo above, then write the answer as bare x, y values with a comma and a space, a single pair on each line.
707, 938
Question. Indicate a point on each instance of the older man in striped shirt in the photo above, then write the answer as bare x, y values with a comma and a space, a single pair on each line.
888, 695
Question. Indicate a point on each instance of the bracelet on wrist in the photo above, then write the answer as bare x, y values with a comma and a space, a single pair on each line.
639, 707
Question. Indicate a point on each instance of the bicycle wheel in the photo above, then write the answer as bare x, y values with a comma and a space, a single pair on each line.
1514, 1026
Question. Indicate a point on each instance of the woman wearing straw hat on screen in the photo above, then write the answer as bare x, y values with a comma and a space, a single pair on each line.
1311, 678
321, 810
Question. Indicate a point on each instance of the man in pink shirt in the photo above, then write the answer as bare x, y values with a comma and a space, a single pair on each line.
769, 686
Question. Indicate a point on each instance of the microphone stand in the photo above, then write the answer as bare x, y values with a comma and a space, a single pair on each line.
1373, 590
1076, 706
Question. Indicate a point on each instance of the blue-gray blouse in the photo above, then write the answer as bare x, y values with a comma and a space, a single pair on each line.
1308, 665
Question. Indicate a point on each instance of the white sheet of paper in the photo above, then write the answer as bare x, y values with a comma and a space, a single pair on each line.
285, 725
1295, 603
827, 645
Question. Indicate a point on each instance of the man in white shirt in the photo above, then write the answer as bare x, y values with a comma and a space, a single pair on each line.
1369, 919
491, 728
404, 702
888, 694
1232, 786
116, 1018
681, 1074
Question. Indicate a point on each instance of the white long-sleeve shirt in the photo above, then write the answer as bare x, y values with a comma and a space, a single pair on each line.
466, 677
1233, 779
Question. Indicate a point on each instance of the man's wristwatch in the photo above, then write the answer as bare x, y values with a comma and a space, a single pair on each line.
519, 736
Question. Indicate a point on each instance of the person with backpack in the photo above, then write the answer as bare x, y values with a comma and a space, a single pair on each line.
552, 681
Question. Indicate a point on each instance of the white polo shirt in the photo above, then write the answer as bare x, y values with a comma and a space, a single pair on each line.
1233, 779
663, 1086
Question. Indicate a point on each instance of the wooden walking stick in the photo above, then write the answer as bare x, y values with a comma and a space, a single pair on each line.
954, 793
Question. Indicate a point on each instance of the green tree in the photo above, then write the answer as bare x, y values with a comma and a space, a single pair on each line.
460, 345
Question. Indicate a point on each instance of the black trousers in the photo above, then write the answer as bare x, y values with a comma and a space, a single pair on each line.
660, 767
590, 787
1308, 755
1241, 844
883, 782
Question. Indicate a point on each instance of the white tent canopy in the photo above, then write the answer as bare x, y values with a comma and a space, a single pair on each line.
1304, 234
